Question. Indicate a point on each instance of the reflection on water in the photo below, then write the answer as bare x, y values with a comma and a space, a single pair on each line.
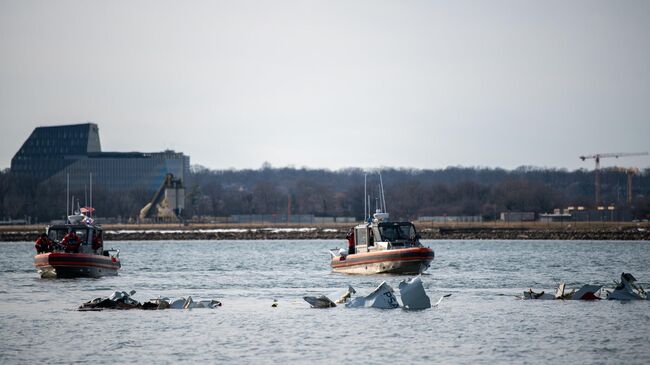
480, 323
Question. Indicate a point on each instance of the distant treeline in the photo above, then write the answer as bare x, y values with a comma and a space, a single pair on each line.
410, 193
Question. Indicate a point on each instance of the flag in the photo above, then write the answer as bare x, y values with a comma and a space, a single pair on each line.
87, 210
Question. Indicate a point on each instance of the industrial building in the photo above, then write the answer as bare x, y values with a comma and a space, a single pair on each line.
74, 152
451, 218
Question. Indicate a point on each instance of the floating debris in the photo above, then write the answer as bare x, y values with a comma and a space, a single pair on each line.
123, 300
320, 302
411, 291
441, 298
627, 290
530, 294
382, 297
413, 294
347, 296
586, 292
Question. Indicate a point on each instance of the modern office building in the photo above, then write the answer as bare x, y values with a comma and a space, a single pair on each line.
74, 152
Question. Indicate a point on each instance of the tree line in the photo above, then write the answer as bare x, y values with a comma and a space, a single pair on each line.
409, 193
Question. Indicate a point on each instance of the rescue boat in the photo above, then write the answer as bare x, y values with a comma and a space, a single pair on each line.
379, 246
75, 249
382, 247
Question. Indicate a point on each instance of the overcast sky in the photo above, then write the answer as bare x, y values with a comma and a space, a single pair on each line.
333, 84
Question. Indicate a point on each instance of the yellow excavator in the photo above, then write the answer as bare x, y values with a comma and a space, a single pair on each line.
167, 202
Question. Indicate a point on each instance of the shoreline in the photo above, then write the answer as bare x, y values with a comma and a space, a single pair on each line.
624, 231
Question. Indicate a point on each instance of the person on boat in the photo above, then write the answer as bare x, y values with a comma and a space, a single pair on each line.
43, 244
350, 238
71, 242
97, 241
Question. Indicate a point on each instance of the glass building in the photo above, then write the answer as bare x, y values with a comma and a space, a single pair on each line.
74, 151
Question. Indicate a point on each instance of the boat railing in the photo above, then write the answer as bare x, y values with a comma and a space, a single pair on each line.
112, 252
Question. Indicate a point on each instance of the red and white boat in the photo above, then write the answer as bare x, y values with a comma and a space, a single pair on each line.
75, 249
383, 247
379, 246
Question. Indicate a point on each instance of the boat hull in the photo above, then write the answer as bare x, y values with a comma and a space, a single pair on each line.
406, 261
74, 265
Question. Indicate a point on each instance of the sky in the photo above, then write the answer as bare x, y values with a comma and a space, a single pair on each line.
334, 84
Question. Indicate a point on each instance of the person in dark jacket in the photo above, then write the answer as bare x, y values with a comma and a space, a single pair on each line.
71, 242
350, 238
43, 244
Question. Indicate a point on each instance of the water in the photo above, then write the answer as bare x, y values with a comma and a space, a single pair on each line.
481, 322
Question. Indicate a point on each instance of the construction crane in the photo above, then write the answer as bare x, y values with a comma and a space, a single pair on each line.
597, 158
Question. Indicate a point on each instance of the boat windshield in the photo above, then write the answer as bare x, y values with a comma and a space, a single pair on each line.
57, 234
392, 232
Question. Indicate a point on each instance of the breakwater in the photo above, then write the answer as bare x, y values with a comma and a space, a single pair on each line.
609, 232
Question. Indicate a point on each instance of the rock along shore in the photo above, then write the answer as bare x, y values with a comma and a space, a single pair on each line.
613, 232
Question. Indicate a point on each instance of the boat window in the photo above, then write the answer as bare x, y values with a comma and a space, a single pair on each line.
57, 234
83, 234
407, 231
360, 236
397, 232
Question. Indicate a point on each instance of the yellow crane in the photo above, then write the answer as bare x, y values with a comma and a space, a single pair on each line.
597, 158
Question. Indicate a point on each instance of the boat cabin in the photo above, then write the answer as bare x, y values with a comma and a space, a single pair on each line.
89, 236
384, 236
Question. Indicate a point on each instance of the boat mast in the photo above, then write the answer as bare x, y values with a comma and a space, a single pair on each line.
91, 195
67, 196
383, 197
365, 197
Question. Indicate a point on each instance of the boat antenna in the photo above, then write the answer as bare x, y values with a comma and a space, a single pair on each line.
383, 197
369, 214
365, 197
67, 196
91, 195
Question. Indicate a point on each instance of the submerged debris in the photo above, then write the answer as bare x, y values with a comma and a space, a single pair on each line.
625, 290
320, 302
347, 296
412, 293
324, 302
586, 292
123, 300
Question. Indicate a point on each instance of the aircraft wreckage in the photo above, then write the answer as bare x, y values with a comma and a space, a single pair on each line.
626, 289
412, 295
123, 300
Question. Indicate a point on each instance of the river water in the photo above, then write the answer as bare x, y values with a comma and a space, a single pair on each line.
482, 322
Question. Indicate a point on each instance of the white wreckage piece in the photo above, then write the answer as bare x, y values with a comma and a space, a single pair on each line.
412, 293
586, 292
182, 303
627, 290
382, 297
324, 302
